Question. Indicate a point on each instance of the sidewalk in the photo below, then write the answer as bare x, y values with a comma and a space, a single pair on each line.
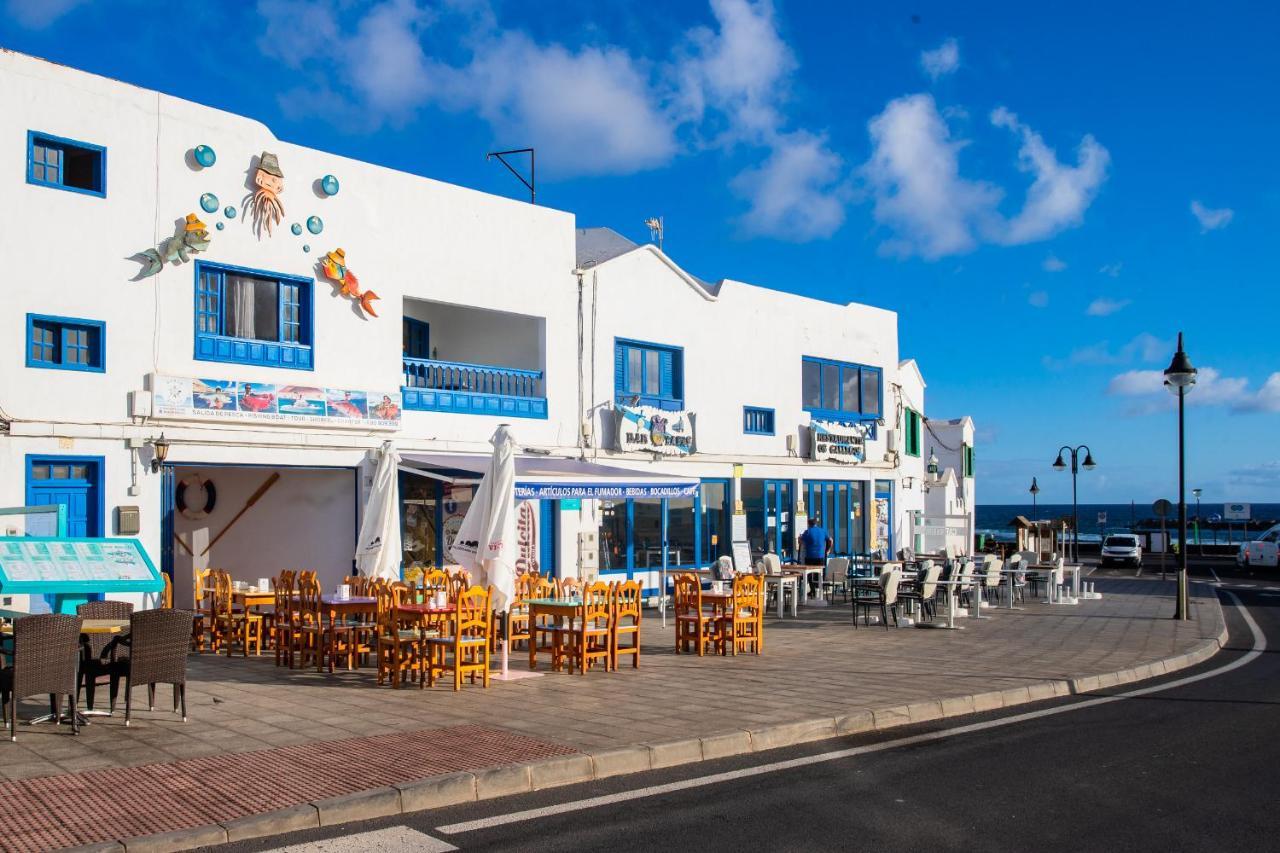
262, 738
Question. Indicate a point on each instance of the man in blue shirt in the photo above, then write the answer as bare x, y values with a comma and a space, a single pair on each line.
815, 545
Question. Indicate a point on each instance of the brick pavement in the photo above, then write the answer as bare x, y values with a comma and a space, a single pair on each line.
814, 666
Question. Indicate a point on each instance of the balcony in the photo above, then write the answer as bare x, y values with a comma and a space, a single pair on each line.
472, 389
473, 361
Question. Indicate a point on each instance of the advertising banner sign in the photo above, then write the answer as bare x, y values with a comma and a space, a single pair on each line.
261, 402
832, 442
1236, 512
655, 430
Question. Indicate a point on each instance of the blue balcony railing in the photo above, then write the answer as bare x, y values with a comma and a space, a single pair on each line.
453, 386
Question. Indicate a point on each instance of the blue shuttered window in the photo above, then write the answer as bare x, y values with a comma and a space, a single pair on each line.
841, 391
252, 317
648, 374
66, 164
65, 343
757, 421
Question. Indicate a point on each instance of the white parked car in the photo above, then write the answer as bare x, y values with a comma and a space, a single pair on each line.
1261, 551
1122, 549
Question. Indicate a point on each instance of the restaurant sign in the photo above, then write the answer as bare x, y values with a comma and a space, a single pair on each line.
264, 402
832, 442
655, 430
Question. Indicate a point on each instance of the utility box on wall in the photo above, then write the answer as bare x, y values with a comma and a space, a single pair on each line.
128, 521
588, 554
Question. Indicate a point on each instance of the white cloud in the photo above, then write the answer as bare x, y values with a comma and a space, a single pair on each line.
944, 59
1211, 389
39, 14
1267, 398
914, 172
393, 73
795, 194
297, 30
1105, 306
1060, 194
1112, 269
1144, 347
1054, 264
739, 71
1038, 299
1211, 219
587, 112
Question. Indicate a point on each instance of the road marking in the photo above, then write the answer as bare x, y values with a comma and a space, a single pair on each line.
1259, 646
1216, 579
393, 838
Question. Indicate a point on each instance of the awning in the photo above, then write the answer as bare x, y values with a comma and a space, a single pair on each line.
549, 477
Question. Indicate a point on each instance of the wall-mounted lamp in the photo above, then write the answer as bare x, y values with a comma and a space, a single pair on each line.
161, 447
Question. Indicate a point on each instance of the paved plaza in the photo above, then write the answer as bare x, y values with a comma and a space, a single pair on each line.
252, 723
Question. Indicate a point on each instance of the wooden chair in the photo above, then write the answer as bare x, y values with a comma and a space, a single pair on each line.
310, 623
284, 621
693, 625
202, 609
627, 612
359, 585
542, 632
433, 582
568, 587
230, 625
744, 623
518, 615
466, 651
589, 638
458, 583
166, 597
398, 647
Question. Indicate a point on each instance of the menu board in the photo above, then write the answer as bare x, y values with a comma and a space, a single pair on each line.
48, 564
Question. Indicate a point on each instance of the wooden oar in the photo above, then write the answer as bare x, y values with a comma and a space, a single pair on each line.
253, 499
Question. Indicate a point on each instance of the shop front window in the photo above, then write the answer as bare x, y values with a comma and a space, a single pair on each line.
431, 513
646, 532
681, 532
613, 535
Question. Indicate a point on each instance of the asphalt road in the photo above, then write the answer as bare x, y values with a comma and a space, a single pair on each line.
1191, 767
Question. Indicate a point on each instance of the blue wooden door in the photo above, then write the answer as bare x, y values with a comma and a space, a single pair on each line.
548, 510
74, 481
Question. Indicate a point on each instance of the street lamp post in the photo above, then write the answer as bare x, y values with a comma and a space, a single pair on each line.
1060, 465
1179, 378
1199, 521
1035, 490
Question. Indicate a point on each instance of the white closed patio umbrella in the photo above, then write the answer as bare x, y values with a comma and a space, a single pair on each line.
378, 550
486, 541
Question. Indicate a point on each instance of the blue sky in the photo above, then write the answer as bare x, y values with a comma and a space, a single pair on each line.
1045, 194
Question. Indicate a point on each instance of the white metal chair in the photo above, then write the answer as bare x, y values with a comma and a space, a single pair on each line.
885, 596
836, 576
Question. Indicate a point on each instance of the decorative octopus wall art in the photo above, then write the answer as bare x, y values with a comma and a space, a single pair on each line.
264, 202
334, 266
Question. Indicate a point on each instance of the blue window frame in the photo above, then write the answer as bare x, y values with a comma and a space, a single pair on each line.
246, 316
650, 374
66, 343
416, 338
757, 421
841, 391
66, 164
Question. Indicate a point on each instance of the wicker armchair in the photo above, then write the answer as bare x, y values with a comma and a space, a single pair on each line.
46, 649
102, 652
157, 643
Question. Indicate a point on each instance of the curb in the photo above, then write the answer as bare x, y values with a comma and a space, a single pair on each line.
451, 789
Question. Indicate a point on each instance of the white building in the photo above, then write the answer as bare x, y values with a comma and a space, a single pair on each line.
251, 362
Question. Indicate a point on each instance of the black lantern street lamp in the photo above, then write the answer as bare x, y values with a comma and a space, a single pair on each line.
933, 465
1035, 490
1060, 465
1179, 378
161, 447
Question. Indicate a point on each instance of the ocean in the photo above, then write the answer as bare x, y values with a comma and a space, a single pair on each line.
995, 519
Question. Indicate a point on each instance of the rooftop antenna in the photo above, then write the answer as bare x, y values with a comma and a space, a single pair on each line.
532, 181
655, 229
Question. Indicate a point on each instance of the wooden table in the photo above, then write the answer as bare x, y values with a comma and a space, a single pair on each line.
427, 616
804, 571
559, 609
254, 597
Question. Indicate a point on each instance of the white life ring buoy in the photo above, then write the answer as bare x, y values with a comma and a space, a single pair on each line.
196, 484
